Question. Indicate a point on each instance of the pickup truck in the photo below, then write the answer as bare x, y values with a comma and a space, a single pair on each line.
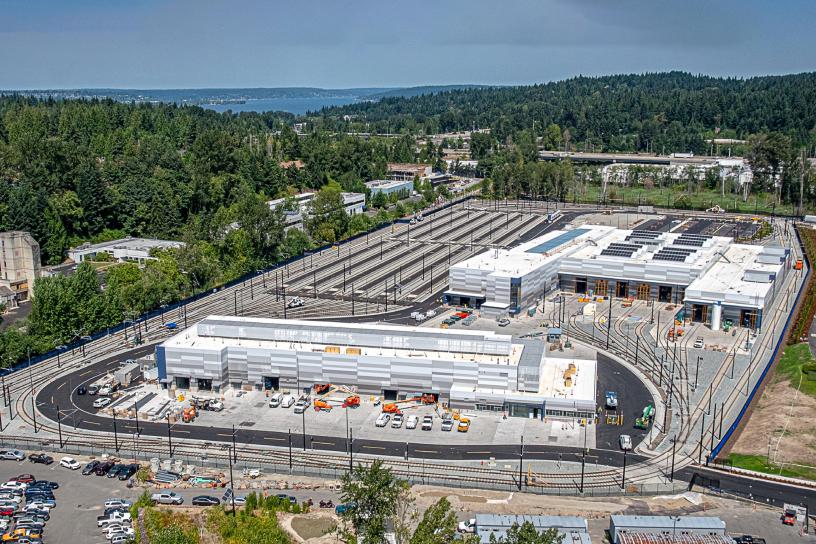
114, 517
302, 403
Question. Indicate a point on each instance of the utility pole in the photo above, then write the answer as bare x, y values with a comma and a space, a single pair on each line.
290, 450
232, 487
136, 408
623, 477
521, 462
609, 319
169, 438
234, 450
115, 434
59, 426
674, 445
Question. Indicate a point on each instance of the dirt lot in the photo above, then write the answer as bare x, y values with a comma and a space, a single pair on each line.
782, 424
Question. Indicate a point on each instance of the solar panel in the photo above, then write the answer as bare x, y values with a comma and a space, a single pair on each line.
643, 234
673, 253
696, 240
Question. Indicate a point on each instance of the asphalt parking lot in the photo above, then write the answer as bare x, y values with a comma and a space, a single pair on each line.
80, 498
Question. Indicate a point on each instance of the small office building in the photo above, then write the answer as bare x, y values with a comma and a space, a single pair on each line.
690, 529
573, 529
389, 186
467, 369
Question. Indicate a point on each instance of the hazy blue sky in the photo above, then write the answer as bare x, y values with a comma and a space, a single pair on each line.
358, 43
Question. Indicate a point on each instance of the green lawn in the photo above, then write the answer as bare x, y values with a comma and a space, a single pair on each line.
759, 463
667, 197
790, 368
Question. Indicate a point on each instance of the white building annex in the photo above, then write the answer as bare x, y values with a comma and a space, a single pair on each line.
711, 276
467, 369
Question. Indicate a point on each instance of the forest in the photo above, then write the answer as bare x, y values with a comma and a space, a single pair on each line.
658, 112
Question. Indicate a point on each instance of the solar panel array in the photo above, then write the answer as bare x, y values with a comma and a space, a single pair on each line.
643, 235
694, 240
618, 249
673, 253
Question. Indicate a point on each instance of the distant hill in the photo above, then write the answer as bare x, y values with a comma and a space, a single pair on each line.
409, 92
671, 110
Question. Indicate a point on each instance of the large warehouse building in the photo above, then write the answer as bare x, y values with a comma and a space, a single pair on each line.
468, 369
714, 278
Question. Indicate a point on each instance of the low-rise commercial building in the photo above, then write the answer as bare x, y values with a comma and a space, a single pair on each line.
125, 250
389, 186
19, 267
711, 276
353, 203
659, 529
574, 530
467, 369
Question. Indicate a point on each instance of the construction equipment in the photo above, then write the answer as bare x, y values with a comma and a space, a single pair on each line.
798, 265
427, 398
394, 407
646, 418
322, 405
189, 414
320, 388
352, 401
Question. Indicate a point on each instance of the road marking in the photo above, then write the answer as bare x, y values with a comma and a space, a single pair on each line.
222, 434
86, 372
372, 447
61, 386
91, 423
273, 438
485, 452
179, 431
426, 451
318, 442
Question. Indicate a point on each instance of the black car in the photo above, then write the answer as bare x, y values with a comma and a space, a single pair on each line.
39, 494
114, 471
206, 500
41, 458
44, 484
44, 515
116, 509
89, 468
81, 390
128, 471
103, 468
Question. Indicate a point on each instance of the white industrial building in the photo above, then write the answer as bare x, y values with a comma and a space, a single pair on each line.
467, 369
711, 276
353, 203
124, 250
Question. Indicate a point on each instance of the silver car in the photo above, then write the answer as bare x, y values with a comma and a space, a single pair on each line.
12, 455
625, 442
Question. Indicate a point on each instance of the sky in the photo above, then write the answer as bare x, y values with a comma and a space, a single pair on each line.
149, 44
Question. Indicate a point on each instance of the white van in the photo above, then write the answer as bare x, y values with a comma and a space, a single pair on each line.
287, 401
275, 400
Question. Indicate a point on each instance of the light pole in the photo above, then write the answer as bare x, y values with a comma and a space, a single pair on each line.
169, 438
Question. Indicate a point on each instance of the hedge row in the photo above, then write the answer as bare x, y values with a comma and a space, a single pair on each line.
807, 309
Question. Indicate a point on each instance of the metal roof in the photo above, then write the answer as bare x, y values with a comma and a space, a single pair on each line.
633, 523
648, 538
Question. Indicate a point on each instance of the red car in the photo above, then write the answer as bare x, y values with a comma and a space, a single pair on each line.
789, 517
25, 478
6, 511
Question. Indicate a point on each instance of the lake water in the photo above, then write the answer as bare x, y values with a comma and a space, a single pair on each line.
292, 105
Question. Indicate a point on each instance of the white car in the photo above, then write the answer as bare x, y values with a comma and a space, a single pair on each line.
275, 400
106, 390
14, 486
699, 343
69, 462
397, 422
382, 420
287, 401
101, 402
411, 422
38, 505
427, 423
625, 442
467, 526
117, 503
302, 404
121, 530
